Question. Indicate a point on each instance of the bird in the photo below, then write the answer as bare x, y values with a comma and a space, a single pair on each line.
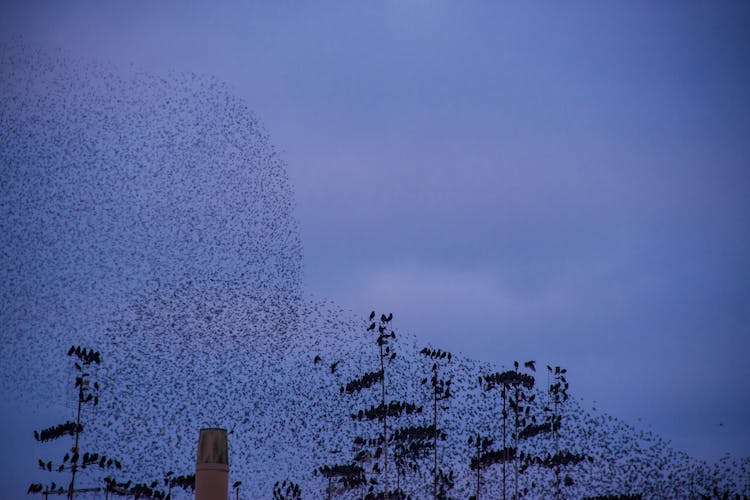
530, 365
159, 169
334, 365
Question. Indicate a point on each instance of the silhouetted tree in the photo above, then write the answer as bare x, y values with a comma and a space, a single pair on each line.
482, 445
135, 490
385, 410
520, 384
185, 482
513, 387
350, 476
130, 488
440, 391
410, 445
558, 395
84, 360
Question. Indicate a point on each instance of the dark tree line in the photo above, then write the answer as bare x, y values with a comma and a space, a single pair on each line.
394, 438
521, 418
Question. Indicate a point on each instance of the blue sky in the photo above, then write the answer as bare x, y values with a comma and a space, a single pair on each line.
561, 183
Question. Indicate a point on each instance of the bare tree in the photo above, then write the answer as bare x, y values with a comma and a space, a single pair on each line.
87, 392
440, 391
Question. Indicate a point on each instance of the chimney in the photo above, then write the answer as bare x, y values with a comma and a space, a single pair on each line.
212, 465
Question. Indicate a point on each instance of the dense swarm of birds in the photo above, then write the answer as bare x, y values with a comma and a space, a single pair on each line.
114, 184
150, 217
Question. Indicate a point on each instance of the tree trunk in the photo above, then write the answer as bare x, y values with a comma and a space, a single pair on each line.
478, 469
385, 422
505, 448
434, 441
515, 444
72, 487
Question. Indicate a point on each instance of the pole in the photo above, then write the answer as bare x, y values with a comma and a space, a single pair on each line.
434, 437
385, 420
75, 449
505, 446
515, 442
478, 468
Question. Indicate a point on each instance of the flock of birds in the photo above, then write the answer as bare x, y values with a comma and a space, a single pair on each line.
151, 219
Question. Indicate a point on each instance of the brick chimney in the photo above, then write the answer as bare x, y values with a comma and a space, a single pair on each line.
212, 465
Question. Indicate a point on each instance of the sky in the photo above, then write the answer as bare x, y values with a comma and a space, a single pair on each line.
565, 183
